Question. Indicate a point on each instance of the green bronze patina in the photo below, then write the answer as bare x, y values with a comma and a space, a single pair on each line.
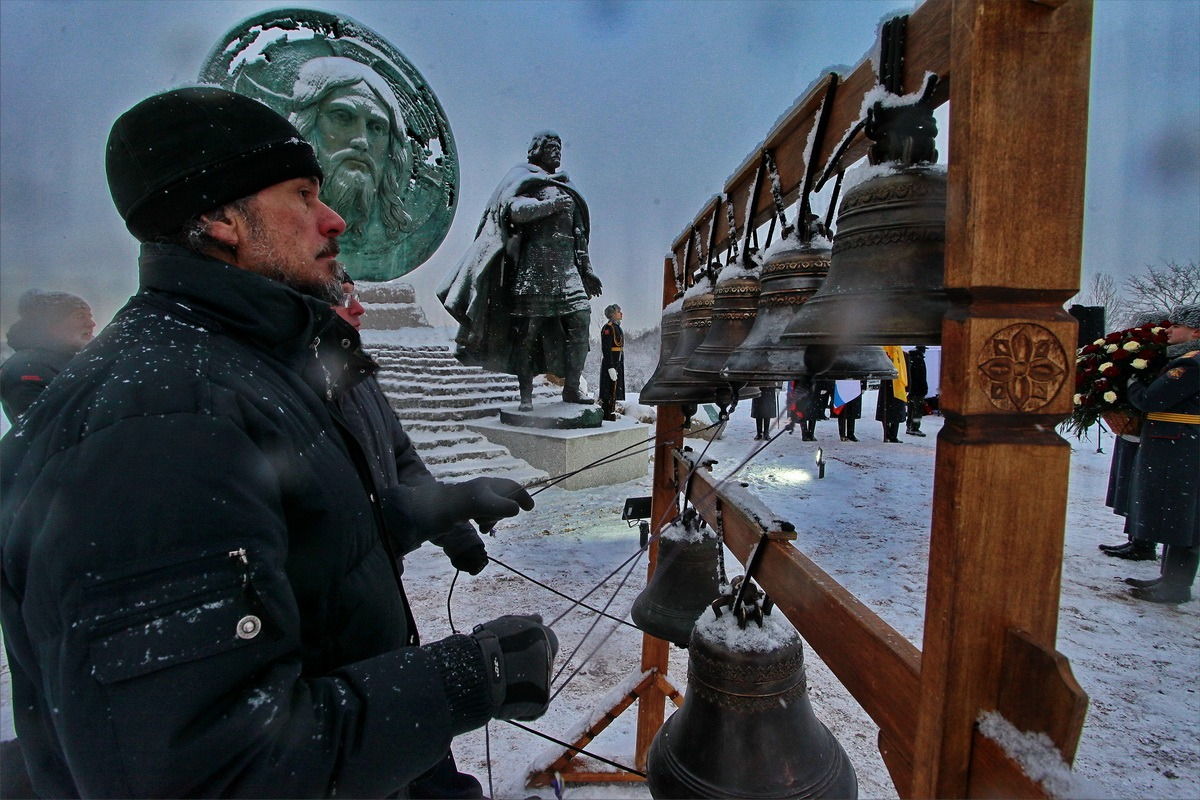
391, 168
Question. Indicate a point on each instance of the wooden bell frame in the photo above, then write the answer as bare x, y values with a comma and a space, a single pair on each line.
1016, 75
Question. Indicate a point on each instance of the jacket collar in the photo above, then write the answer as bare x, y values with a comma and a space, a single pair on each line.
243, 304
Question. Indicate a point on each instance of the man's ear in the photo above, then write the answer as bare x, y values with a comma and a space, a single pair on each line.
227, 229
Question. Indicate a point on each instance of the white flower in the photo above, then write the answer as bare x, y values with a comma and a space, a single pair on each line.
1078, 398
1139, 363
1112, 348
1098, 342
1132, 347
1157, 329
1104, 366
1110, 397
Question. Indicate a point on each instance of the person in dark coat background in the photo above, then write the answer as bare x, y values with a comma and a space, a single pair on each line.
1164, 503
395, 463
892, 402
918, 387
848, 415
1120, 476
815, 409
764, 409
612, 362
51, 329
200, 591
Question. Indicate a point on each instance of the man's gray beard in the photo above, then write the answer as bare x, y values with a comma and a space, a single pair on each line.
327, 292
352, 196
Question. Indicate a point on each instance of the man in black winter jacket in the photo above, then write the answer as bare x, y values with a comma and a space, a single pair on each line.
200, 592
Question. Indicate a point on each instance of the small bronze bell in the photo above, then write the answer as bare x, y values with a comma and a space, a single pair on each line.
886, 281
792, 272
746, 728
684, 583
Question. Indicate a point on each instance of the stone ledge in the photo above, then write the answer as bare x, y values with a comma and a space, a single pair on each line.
561, 451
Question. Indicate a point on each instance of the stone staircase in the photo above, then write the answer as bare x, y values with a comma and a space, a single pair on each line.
433, 395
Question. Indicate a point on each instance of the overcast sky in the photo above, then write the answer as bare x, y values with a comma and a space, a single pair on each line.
657, 102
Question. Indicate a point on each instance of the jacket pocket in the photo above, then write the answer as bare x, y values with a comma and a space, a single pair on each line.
157, 614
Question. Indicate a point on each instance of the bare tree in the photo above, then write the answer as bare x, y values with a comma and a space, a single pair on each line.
1163, 288
1102, 290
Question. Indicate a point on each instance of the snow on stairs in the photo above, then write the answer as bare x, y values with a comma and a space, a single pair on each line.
433, 394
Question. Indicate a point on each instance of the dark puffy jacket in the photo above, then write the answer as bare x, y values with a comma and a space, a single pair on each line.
26, 374
394, 462
198, 594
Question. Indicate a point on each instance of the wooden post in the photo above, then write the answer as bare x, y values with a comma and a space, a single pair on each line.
1018, 137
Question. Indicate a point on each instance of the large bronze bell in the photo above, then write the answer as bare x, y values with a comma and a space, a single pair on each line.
684, 583
886, 278
669, 330
792, 271
673, 384
735, 305
746, 728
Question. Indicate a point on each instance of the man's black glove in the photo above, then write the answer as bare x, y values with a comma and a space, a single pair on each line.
518, 654
435, 507
471, 561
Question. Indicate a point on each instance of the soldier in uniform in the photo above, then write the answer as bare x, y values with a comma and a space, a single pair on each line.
612, 362
520, 293
1164, 501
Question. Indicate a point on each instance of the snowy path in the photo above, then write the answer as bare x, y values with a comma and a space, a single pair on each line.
867, 524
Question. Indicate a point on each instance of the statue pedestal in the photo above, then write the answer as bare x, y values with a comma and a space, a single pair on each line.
559, 451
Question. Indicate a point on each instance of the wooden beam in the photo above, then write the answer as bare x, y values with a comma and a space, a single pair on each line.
1018, 135
877, 665
927, 50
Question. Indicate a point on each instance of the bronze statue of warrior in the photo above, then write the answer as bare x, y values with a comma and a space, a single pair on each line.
520, 293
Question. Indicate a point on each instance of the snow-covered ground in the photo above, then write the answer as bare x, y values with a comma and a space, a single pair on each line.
866, 523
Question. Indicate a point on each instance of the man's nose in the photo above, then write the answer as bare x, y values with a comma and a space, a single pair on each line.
329, 222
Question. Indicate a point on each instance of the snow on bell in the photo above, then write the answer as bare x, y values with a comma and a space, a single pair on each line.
792, 272
684, 583
886, 282
746, 728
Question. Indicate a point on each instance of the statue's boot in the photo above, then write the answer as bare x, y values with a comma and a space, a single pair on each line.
525, 383
571, 393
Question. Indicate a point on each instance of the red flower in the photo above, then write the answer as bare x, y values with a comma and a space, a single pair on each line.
1113, 338
1112, 372
1089, 349
1102, 384
1121, 355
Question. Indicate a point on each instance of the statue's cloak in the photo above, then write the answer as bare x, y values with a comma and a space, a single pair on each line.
477, 291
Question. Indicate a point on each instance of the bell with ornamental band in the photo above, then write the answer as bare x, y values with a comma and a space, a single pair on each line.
886, 277
673, 384
735, 305
792, 272
746, 728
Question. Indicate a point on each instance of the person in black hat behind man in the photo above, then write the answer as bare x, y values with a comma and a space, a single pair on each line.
200, 587
52, 328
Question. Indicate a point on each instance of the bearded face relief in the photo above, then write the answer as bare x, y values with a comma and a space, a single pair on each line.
363, 152
384, 144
